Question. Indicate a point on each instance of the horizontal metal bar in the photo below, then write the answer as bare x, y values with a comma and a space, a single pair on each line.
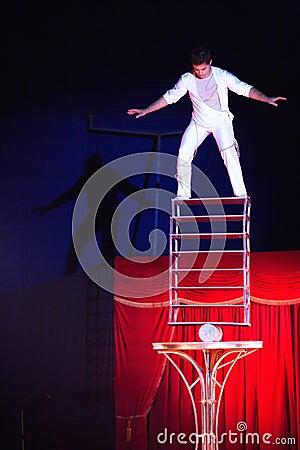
209, 270
183, 252
212, 322
211, 218
132, 133
239, 235
190, 288
214, 200
210, 305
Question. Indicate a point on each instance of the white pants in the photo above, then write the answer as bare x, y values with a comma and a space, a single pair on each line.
192, 138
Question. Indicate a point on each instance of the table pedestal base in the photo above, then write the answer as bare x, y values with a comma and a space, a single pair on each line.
215, 355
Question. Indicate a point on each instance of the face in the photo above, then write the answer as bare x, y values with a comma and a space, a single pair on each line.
202, 70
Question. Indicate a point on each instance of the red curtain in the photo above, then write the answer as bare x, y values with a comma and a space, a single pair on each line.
263, 388
139, 316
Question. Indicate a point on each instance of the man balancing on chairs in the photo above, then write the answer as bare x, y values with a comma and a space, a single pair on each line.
208, 87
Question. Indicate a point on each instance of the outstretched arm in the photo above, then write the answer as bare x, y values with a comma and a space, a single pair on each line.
158, 104
257, 95
67, 196
61, 200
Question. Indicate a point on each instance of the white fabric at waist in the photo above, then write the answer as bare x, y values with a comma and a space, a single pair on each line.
211, 118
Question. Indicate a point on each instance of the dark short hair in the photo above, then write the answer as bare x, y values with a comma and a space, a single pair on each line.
200, 55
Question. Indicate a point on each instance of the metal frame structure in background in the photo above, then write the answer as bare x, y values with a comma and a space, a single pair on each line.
177, 237
156, 138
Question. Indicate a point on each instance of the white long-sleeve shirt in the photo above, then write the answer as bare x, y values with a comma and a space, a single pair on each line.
203, 114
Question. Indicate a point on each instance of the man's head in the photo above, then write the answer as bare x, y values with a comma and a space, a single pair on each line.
201, 61
200, 55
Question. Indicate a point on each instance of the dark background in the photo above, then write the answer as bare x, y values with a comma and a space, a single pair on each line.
62, 60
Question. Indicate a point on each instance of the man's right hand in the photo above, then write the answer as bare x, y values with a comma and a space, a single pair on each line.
138, 112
